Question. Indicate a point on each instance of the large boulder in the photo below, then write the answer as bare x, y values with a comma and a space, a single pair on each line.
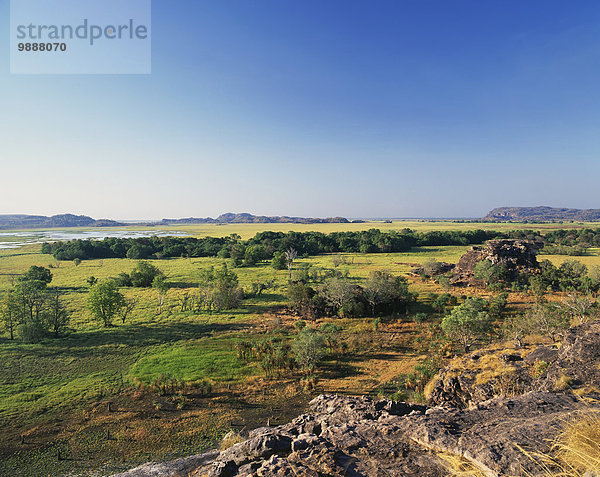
515, 255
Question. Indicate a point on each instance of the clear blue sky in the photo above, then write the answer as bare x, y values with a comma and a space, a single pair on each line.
318, 108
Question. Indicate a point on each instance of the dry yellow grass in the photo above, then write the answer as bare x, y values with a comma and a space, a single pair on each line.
576, 450
458, 466
577, 447
230, 439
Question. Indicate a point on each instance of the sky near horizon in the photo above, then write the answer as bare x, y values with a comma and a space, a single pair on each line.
363, 108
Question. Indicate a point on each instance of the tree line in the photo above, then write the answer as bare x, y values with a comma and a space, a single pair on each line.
264, 245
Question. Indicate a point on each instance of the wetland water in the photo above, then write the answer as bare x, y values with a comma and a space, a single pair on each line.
10, 239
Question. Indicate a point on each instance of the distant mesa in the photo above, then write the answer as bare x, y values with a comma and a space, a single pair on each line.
62, 220
245, 218
541, 214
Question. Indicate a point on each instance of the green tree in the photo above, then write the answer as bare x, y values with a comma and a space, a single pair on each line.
498, 304
545, 319
432, 267
139, 252
444, 301
331, 332
9, 314
279, 261
56, 316
300, 299
105, 301
578, 306
30, 297
309, 349
342, 296
37, 276
144, 274
254, 254
538, 286
386, 291
467, 323
444, 282
219, 288
490, 273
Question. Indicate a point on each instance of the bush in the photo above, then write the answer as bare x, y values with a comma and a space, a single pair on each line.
279, 261
123, 280
219, 289
144, 274
467, 323
32, 331
309, 349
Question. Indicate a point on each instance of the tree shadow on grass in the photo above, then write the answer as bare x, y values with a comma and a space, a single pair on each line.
340, 368
134, 336
343, 366
65, 289
181, 285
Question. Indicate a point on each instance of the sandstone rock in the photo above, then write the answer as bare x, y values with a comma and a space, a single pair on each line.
177, 468
515, 255
577, 365
489, 373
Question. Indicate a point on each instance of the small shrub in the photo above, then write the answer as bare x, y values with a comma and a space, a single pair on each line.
32, 331
539, 368
420, 317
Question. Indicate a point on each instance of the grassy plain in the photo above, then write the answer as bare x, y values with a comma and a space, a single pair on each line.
55, 395
249, 230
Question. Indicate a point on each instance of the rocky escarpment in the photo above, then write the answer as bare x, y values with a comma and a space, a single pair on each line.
360, 436
514, 255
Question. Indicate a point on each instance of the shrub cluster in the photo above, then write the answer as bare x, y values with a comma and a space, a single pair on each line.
342, 296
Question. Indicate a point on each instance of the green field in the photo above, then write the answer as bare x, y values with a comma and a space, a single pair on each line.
56, 392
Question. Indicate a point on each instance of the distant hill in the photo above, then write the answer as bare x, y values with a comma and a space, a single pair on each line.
21, 221
244, 218
62, 220
541, 214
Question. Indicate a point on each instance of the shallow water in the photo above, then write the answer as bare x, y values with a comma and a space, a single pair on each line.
10, 240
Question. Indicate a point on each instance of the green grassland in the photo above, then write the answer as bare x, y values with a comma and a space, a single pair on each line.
53, 391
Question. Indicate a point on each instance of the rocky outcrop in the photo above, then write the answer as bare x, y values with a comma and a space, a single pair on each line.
507, 372
515, 255
352, 436
361, 436
490, 373
577, 366
176, 468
